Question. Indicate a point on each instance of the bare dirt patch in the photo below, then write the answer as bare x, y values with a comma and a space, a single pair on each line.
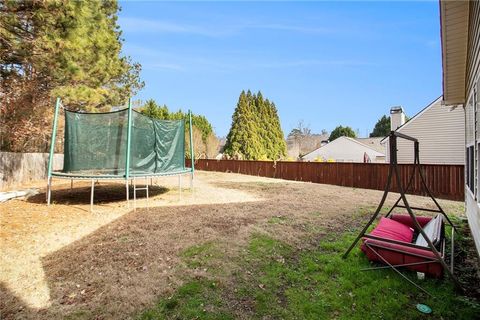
64, 261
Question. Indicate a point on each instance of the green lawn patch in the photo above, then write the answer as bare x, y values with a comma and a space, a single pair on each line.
273, 280
201, 256
198, 299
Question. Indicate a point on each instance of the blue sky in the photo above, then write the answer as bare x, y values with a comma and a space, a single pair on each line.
327, 63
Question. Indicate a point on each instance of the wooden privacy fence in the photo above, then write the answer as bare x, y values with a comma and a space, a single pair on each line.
445, 181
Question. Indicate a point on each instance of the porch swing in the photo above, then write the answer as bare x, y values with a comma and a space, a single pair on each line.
405, 240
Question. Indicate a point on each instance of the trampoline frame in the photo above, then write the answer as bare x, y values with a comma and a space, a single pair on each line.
127, 177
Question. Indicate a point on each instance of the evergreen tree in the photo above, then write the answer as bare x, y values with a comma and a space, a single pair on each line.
382, 127
153, 110
241, 140
255, 133
341, 131
70, 49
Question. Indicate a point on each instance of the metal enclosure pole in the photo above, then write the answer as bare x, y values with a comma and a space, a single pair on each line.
129, 136
92, 188
192, 156
180, 187
393, 147
52, 149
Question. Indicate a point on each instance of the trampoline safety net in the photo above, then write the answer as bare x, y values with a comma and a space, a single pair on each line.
95, 143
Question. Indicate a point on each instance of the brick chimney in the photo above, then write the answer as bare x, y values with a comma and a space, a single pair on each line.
397, 117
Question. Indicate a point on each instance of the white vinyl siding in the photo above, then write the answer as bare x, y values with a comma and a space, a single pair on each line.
469, 122
460, 29
440, 132
472, 119
473, 47
473, 214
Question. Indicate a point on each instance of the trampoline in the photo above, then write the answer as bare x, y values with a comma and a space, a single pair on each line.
120, 145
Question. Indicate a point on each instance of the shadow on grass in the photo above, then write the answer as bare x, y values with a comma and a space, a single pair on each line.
104, 192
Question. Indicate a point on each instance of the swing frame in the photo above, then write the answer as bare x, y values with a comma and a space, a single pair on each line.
394, 172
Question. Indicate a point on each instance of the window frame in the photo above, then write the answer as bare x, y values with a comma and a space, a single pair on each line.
475, 145
472, 148
469, 165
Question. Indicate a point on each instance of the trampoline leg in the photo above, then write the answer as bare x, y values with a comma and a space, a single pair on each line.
127, 193
91, 195
134, 194
191, 182
180, 186
49, 190
146, 187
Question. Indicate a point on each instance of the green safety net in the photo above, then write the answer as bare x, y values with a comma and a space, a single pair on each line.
96, 144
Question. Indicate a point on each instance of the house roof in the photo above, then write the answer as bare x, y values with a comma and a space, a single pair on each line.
354, 140
306, 144
374, 143
454, 17
418, 114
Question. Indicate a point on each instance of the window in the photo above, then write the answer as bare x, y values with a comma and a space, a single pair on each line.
469, 168
478, 171
476, 99
475, 155
471, 140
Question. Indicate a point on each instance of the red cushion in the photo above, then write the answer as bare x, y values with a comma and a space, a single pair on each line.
393, 230
407, 220
400, 254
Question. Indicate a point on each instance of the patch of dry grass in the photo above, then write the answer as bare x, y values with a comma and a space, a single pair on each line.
65, 261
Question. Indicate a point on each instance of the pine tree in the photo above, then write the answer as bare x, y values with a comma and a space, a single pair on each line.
70, 49
341, 131
237, 139
382, 127
279, 142
255, 133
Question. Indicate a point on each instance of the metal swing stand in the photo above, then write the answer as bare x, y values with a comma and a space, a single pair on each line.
394, 171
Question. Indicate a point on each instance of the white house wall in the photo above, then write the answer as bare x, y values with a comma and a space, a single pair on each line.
472, 210
343, 150
439, 132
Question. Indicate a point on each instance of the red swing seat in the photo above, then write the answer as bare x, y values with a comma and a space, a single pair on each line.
392, 241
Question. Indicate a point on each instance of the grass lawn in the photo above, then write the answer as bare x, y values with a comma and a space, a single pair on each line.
239, 247
271, 280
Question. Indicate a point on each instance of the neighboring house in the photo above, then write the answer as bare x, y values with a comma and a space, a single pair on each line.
297, 146
460, 31
374, 143
439, 131
346, 149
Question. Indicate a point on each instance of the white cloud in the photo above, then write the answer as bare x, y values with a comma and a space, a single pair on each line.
292, 28
312, 63
158, 26
141, 25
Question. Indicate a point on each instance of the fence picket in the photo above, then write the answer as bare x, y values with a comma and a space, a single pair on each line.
445, 181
